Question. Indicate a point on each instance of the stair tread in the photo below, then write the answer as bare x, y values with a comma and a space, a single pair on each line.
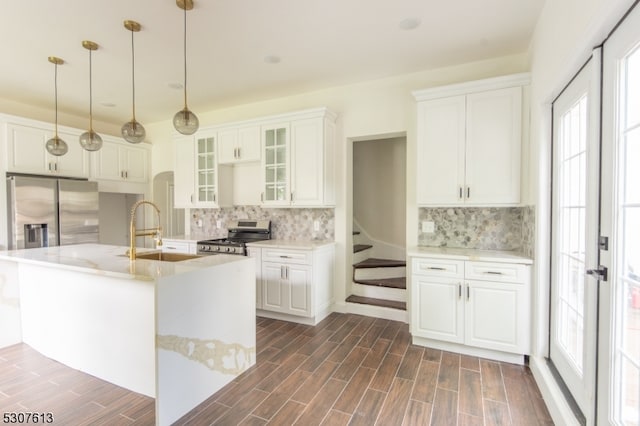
361, 247
394, 304
379, 263
396, 282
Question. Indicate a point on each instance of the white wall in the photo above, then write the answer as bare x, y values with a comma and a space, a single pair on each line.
379, 188
379, 107
564, 36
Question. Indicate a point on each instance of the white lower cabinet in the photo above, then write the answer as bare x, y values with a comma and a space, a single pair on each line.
286, 288
294, 284
483, 305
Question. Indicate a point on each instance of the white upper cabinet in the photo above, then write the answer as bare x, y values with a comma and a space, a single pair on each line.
26, 152
239, 144
469, 143
199, 180
120, 161
297, 161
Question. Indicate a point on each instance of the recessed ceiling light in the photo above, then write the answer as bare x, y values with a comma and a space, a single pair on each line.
272, 59
175, 86
108, 104
409, 24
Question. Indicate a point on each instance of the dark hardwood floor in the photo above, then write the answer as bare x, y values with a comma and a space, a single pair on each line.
349, 369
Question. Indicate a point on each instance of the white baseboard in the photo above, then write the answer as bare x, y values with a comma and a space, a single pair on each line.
469, 350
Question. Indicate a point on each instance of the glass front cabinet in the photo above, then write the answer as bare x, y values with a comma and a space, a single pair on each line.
276, 189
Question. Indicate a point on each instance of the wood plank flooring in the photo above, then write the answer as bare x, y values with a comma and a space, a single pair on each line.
349, 369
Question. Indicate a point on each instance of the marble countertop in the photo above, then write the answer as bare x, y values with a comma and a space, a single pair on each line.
107, 260
291, 244
469, 254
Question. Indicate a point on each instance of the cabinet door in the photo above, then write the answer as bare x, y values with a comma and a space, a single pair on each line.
228, 146
76, 161
307, 165
298, 280
438, 309
249, 143
206, 177
183, 172
441, 156
493, 147
133, 161
275, 165
274, 291
107, 162
495, 316
26, 151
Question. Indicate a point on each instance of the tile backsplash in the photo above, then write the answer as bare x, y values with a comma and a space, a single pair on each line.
286, 224
484, 228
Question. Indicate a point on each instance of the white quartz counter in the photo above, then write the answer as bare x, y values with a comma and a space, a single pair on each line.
469, 254
111, 261
291, 244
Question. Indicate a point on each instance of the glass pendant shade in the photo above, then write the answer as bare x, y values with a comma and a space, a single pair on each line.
186, 122
55, 145
132, 131
91, 141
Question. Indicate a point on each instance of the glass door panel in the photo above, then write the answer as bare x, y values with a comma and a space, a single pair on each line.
574, 249
620, 337
206, 178
276, 166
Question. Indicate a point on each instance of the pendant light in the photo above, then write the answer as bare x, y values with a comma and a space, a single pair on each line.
55, 145
90, 140
185, 121
132, 131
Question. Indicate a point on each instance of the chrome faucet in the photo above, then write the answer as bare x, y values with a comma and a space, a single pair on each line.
133, 233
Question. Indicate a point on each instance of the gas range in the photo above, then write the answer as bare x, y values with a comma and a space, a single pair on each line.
240, 232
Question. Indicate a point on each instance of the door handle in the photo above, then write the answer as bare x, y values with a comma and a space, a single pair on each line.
459, 291
601, 273
468, 292
468, 192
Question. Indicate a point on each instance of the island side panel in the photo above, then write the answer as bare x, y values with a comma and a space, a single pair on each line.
10, 323
206, 327
100, 325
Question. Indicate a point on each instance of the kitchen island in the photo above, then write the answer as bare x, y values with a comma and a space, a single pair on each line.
175, 331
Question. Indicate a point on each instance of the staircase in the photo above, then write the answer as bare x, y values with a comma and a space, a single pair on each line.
378, 286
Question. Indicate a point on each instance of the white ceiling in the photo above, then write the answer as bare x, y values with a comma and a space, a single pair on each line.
320, 43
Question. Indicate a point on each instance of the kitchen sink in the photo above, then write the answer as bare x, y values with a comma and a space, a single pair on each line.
166, 257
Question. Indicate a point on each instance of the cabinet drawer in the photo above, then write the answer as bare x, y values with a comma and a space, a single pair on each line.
438, 267
175, 246
301, 257
497, 272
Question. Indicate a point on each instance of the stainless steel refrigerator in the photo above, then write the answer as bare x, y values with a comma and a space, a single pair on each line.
46, 212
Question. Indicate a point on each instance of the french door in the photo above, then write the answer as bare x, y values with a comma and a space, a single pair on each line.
619, 364
575, 215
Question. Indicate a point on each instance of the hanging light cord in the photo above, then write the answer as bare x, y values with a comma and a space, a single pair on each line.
185, 55
55, 92
133, 76
90, 97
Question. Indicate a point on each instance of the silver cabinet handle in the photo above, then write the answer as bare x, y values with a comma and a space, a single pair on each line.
436, 268
239, 153
460, 193
459, 290
468, 192
282, 272
493, 272
291, 196
285, 257
262, 197
286, 270
468, 293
